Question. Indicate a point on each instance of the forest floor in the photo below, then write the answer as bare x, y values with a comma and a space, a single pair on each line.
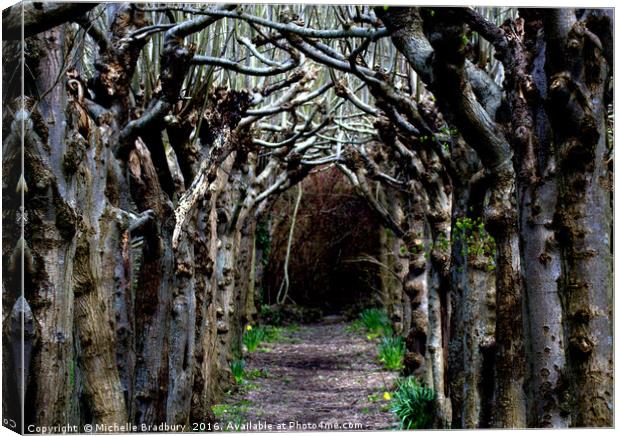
314, 377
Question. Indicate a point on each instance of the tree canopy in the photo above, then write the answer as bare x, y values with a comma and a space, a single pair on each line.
158, 137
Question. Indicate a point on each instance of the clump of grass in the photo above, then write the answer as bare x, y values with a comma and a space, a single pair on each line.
231, 414
219, 410
391, 352
256, 373
413, 404
376, 322
272, 333
293, 328
355, 327
252, 337
237, 367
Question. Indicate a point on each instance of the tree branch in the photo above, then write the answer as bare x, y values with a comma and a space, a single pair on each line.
362, 189
355, 32
242, 69
39, 17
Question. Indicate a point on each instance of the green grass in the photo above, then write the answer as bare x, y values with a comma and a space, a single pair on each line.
292, 328
219, 410
373, 398
284, 334
249, 386
286, 380
256, 373
412, 403
237, 368
231, 414
376, 322
355, 327
272, 333
391, 352
252, 337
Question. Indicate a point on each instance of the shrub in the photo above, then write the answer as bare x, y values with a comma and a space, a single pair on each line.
237, 367
391, 352
413, 404
376, 322
252, 337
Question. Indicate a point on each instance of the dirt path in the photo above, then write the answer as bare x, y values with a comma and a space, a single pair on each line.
321, 377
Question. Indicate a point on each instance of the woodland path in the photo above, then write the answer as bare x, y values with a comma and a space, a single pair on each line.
321, 375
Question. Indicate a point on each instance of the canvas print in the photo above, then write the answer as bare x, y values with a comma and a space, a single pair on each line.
298, 217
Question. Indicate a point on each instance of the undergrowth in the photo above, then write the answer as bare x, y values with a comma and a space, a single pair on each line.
231, 415
237, 367
376, 322
252, 337
272, 333
355, 327
412, 403
391, 352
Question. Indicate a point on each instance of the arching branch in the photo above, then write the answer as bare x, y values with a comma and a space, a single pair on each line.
39, 17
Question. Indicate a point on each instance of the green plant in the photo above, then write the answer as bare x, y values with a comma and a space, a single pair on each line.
377, 397
442, 242
415, 249
232, 415
447, 131
219, 410
293, 328
376, 322
475, 240
237, 367
271, 315
252, 337
253, 374
373, 398
391, 352
355, 327
413, 404
249, 386
272, 333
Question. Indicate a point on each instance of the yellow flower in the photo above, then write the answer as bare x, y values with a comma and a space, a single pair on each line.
249, 327
387, 396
